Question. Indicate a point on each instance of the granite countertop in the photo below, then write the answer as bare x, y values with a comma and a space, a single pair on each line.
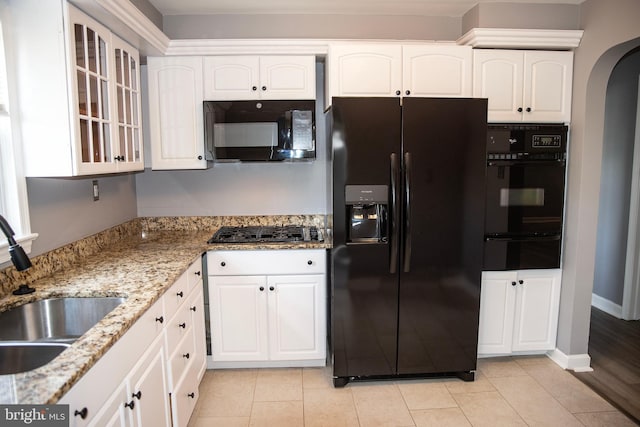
141, 268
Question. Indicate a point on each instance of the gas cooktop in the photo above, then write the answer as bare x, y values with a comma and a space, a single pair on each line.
266, 234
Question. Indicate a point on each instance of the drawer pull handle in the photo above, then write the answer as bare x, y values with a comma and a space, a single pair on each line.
197, 273
137, 395
309, 262
193, 308
186, 356
82, 412
160, 319
223, 263
180, 294
130, 405
191, 395
183, 325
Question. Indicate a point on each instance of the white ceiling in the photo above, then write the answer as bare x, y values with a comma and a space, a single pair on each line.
454, 8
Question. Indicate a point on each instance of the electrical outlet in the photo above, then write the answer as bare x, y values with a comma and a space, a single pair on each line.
96, 191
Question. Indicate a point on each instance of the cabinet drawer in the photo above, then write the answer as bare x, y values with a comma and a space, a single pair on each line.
194, 275
184, 398
178, 327
176, 295
182, 357
230, 263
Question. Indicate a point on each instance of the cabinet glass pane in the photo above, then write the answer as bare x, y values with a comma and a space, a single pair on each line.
79, 37
104, 70
123, 143
107, 141
120, 105
134, 70
125, 60
95, 141
84, 141
104, 95
91, 50
136, 144
82, 92
119, 66
93, 96
127, 103
134, 111
129, 145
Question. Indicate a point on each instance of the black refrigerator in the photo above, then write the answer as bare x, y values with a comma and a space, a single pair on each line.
408, 217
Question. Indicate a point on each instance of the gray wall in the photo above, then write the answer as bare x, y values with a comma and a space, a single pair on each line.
240, 188
534, 16
615, 183
611, 30
63, 211
150, 11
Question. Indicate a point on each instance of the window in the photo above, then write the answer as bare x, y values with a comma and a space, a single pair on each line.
13, 193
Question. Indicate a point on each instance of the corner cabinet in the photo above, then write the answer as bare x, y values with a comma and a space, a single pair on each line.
259, 77
267, 308
83, 116
176, 129
524, 86
150, 376
379, 69
519, 312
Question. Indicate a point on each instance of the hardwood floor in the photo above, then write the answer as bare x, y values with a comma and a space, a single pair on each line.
614, 347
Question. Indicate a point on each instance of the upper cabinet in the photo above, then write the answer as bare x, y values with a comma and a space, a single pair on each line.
176, 131
80, 114
379, 69
259, 77
524, 86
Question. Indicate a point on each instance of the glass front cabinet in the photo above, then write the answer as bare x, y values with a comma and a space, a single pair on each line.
89, 116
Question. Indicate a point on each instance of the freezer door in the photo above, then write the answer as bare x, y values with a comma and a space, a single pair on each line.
365, 132
442, 248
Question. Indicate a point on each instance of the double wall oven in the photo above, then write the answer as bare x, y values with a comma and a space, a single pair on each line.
524, 196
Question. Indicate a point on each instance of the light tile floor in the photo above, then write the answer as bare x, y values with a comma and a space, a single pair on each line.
513, 391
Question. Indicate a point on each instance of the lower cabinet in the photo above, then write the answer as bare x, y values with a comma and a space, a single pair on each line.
518, 312
149, 377
268, 308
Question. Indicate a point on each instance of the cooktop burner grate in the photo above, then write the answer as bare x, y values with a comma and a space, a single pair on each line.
266, 234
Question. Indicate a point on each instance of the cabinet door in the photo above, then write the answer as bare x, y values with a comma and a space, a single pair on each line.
548, 79
127, 112
365, 70
113, 413
497, 304
238, 306
175, 113
196, 308
231, 77
436, 71
297, 327
287, 77
498, 76
536, 312
92, 77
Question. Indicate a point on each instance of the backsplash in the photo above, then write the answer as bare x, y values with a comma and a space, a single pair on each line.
64, 256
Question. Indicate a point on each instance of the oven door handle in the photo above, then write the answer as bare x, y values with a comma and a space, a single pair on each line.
549, 238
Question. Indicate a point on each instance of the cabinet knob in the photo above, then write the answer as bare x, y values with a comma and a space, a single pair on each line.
521, 281
130, 405
160, 319
180, 294
199, 157
186, 356
197, 273
271, 288
191, 395
137, 395
528, 109
408, 92
261, 288
398, 92
264, 88
223, 263
519, 109
513, 283
82, 412
310, 262
183, 325
254, 88
193, 308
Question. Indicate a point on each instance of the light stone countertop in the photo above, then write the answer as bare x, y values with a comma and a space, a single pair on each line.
139, 267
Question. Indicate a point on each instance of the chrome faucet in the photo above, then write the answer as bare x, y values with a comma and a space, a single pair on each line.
18, 256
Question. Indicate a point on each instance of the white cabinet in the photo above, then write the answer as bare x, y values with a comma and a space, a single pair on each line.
80, 115
519, 311
379, 69
268, 308
150, 376
259, 77
524, 86
176, 129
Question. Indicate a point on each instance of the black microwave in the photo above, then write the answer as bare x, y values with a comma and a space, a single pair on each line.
254, 131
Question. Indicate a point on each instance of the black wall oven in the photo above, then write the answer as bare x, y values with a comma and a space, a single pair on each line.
524, 196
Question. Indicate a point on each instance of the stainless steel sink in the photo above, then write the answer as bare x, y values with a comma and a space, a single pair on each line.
55, 319
33, 334
21, 357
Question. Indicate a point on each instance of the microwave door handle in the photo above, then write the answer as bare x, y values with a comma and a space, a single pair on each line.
393, 256
407, 212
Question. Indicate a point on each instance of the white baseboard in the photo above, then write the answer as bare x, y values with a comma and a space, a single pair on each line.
573, 362
607, 306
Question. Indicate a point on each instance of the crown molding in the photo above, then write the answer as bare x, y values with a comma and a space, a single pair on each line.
247, 47
507, 38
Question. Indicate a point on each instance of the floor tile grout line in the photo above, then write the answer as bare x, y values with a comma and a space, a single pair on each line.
507, 401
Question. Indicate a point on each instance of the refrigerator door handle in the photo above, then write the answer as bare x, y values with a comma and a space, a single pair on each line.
393, 256
407, 212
